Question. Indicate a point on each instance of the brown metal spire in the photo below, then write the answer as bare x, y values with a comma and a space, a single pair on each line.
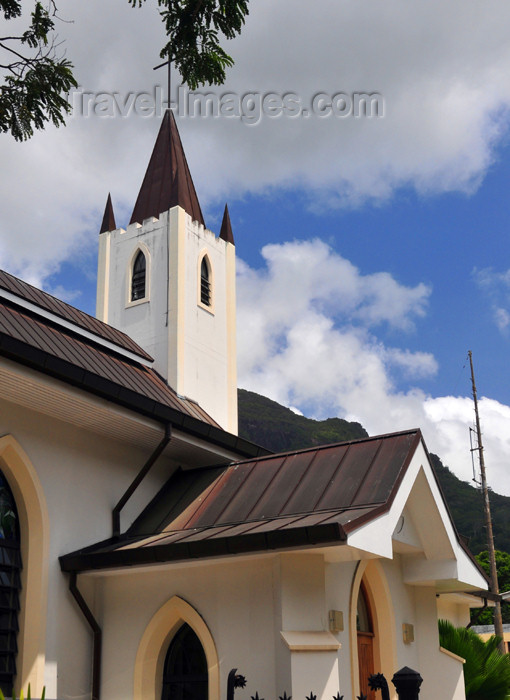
109, 217
167, 182
226, 228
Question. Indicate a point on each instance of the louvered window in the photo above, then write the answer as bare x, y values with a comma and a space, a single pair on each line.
205, 283
185, 675
10, 585
138, 280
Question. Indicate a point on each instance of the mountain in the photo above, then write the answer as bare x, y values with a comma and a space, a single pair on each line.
267, 423
271, 425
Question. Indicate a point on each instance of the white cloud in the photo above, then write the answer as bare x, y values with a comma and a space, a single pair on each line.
442, 69
502, 318
496, 288
303, 340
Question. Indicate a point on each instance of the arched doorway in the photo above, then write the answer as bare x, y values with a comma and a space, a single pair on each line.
155, 644
185, 674
365, 635
10, 585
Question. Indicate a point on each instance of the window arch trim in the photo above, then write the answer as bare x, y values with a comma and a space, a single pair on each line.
204, 258
155, 642
34, 540
370, 576
140, 248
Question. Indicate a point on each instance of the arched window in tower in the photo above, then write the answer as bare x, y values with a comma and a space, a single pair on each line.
138, 278
205, 282
10, 585
185, 675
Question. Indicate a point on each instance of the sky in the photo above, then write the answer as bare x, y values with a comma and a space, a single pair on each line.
372, 248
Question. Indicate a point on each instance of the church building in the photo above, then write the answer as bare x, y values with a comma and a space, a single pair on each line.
146, 550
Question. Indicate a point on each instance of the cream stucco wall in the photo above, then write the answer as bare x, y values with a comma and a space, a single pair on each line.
267, 616
81, 475
193, 345
234, 599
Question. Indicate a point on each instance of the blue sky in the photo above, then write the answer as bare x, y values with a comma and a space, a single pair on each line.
441, 240
373, 252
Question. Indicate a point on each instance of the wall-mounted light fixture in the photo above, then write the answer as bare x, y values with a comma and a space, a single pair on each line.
407, 633
336, 621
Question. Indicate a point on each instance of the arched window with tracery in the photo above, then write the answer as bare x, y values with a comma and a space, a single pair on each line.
205, 282
139, 277
185, 675
10, 585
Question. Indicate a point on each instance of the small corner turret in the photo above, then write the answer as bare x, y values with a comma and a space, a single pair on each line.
108, 223
226, 227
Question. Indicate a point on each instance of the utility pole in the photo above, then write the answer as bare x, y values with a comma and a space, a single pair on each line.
498, 620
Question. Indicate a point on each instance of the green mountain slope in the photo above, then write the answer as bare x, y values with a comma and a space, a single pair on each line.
271, 425
279, 429
466, 506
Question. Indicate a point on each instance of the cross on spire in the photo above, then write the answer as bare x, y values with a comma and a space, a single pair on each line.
169, 79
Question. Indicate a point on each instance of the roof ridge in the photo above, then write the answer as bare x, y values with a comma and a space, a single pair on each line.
316, 448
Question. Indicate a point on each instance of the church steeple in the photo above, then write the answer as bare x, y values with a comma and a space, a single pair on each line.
167, 182
169, 282
108, 223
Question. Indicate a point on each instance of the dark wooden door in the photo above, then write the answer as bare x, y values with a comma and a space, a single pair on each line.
365, 630
366, 662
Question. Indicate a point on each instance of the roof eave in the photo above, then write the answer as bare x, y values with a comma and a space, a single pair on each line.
65, 371
277, 540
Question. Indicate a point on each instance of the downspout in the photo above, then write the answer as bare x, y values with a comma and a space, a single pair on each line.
137, 480
477, 613
97, 634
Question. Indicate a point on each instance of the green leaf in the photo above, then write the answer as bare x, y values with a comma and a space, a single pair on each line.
486, 670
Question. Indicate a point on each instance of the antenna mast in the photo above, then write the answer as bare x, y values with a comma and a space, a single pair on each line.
498, 620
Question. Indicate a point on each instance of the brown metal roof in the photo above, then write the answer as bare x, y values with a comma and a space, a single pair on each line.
45, 343
298, 499
167, 182
46, 301
83, 358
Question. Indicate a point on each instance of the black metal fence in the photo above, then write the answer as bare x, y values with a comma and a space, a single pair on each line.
406, 681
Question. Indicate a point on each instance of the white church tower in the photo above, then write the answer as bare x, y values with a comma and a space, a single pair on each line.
169, 282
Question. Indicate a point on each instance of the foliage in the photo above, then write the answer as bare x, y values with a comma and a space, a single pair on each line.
486, 670
36, 80
486, 617
193, 28
21, 696
271, 425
